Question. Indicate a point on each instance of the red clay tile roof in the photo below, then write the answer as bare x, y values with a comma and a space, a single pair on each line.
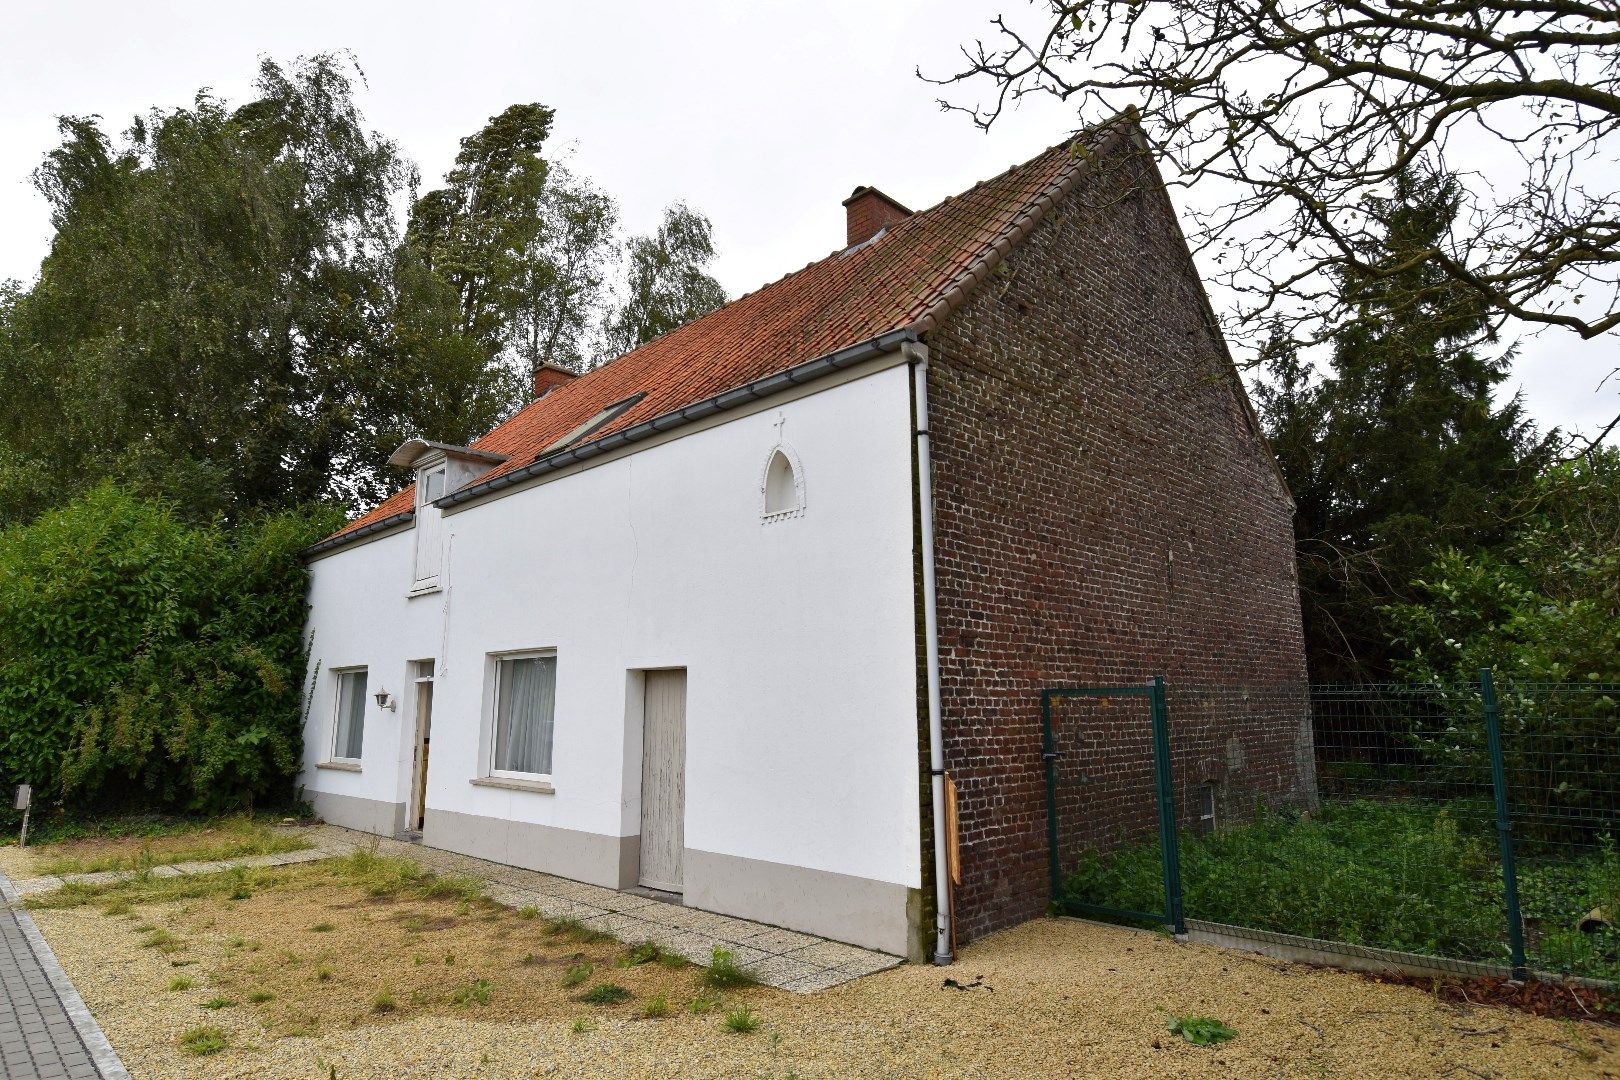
910, 276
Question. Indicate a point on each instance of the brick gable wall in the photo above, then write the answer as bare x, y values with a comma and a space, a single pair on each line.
1104, 513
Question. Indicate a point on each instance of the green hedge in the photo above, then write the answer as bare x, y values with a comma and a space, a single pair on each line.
150, 663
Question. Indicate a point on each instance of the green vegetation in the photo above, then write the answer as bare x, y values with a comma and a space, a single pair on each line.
145, 661
705, 1001
237, 836
656, 1008
180, 982
218, 1002
742, 1020
260, 997
604, 994
1398, 875
723, 973
475, 992
384, 1002
1201, 1030
644, 953
582, 1025
203, 1040
577, 974
322, 928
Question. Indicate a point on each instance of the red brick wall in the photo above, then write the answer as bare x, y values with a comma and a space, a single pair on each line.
1104, 512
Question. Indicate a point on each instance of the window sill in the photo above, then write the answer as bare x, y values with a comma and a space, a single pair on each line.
424, 590
339, 766
539, 787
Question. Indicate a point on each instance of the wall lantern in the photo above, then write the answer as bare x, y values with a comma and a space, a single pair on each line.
385, 700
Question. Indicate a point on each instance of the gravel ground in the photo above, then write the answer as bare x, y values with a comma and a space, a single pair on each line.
1056, 998
17, 863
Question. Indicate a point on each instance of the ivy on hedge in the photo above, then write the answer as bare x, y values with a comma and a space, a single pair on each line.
147, 662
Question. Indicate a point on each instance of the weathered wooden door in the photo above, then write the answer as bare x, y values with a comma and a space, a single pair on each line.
663, 780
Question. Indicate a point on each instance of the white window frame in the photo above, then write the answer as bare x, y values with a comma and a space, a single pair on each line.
342, 675
493, 734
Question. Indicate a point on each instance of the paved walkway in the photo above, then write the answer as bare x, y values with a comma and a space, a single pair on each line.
46, 1033
782, 958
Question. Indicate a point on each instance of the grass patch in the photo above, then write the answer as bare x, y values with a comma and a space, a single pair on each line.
657, 1008
674, 961
323, 973
1415, 877
582, 1025
260, 997
574, 930
180, 982
218, 1003
723, 972
203, 1040
577, 974
161, 940
605, 994
636, 955
236, 837
528, 911
384, 1002
703, 1003
742, 1020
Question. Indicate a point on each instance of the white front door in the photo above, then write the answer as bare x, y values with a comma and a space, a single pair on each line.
663, 780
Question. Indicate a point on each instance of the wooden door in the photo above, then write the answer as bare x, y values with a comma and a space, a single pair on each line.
424, 737
663, 780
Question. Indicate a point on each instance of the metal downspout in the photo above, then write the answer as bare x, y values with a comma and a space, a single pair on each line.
916, 354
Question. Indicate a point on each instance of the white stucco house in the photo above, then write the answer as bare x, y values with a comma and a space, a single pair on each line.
673, 625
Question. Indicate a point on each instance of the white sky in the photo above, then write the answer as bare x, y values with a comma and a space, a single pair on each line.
763, 114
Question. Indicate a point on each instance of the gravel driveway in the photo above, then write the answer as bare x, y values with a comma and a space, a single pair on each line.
1050, 998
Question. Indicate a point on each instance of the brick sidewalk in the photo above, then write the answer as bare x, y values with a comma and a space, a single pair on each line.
46, 1033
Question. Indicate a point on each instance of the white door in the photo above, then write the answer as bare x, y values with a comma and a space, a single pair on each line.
663, 780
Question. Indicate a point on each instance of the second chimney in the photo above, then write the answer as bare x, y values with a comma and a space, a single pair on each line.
868, 212
547, 377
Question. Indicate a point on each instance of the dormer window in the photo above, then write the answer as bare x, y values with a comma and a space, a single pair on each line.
440, 470
429, 526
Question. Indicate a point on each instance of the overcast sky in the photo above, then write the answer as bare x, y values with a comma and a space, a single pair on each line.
763, 114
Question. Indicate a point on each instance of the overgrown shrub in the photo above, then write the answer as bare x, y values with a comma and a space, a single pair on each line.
145, 662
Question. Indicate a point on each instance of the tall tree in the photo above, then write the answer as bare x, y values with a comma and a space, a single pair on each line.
214, 319
1295, 111
667, 283
1400, 452
474, 232
563, 285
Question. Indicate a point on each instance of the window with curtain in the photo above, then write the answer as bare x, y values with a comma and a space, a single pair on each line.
525, 704
350, 729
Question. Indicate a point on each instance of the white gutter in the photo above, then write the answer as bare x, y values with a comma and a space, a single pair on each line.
916, 353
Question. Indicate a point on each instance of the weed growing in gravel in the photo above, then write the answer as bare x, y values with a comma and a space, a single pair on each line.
116, 908
181, 963
229, 838
259, 997
604, 994
161, 940
528, 911
218, 1003
180, 982
575, 930
723, 972
674, 961
322, 928
323, 974
475, 991
1201, 1030
583, 1025
203, 1040
742, 1020
703, 1003
656, 1008
577, 974
384, 1003
644, 953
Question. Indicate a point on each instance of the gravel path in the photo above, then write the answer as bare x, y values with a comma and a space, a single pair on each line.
1052, 998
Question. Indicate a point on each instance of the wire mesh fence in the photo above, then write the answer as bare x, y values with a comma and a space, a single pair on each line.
1472, 824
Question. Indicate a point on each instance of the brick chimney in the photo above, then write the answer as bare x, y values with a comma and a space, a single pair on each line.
547, 377
869, 211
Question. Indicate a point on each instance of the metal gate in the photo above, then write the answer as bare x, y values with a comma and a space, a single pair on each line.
1101, 746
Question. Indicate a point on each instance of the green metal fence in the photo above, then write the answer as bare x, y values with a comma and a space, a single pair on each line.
1474, 825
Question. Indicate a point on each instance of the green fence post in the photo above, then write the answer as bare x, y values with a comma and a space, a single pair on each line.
1169, 849
1049, 756
1504, 823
